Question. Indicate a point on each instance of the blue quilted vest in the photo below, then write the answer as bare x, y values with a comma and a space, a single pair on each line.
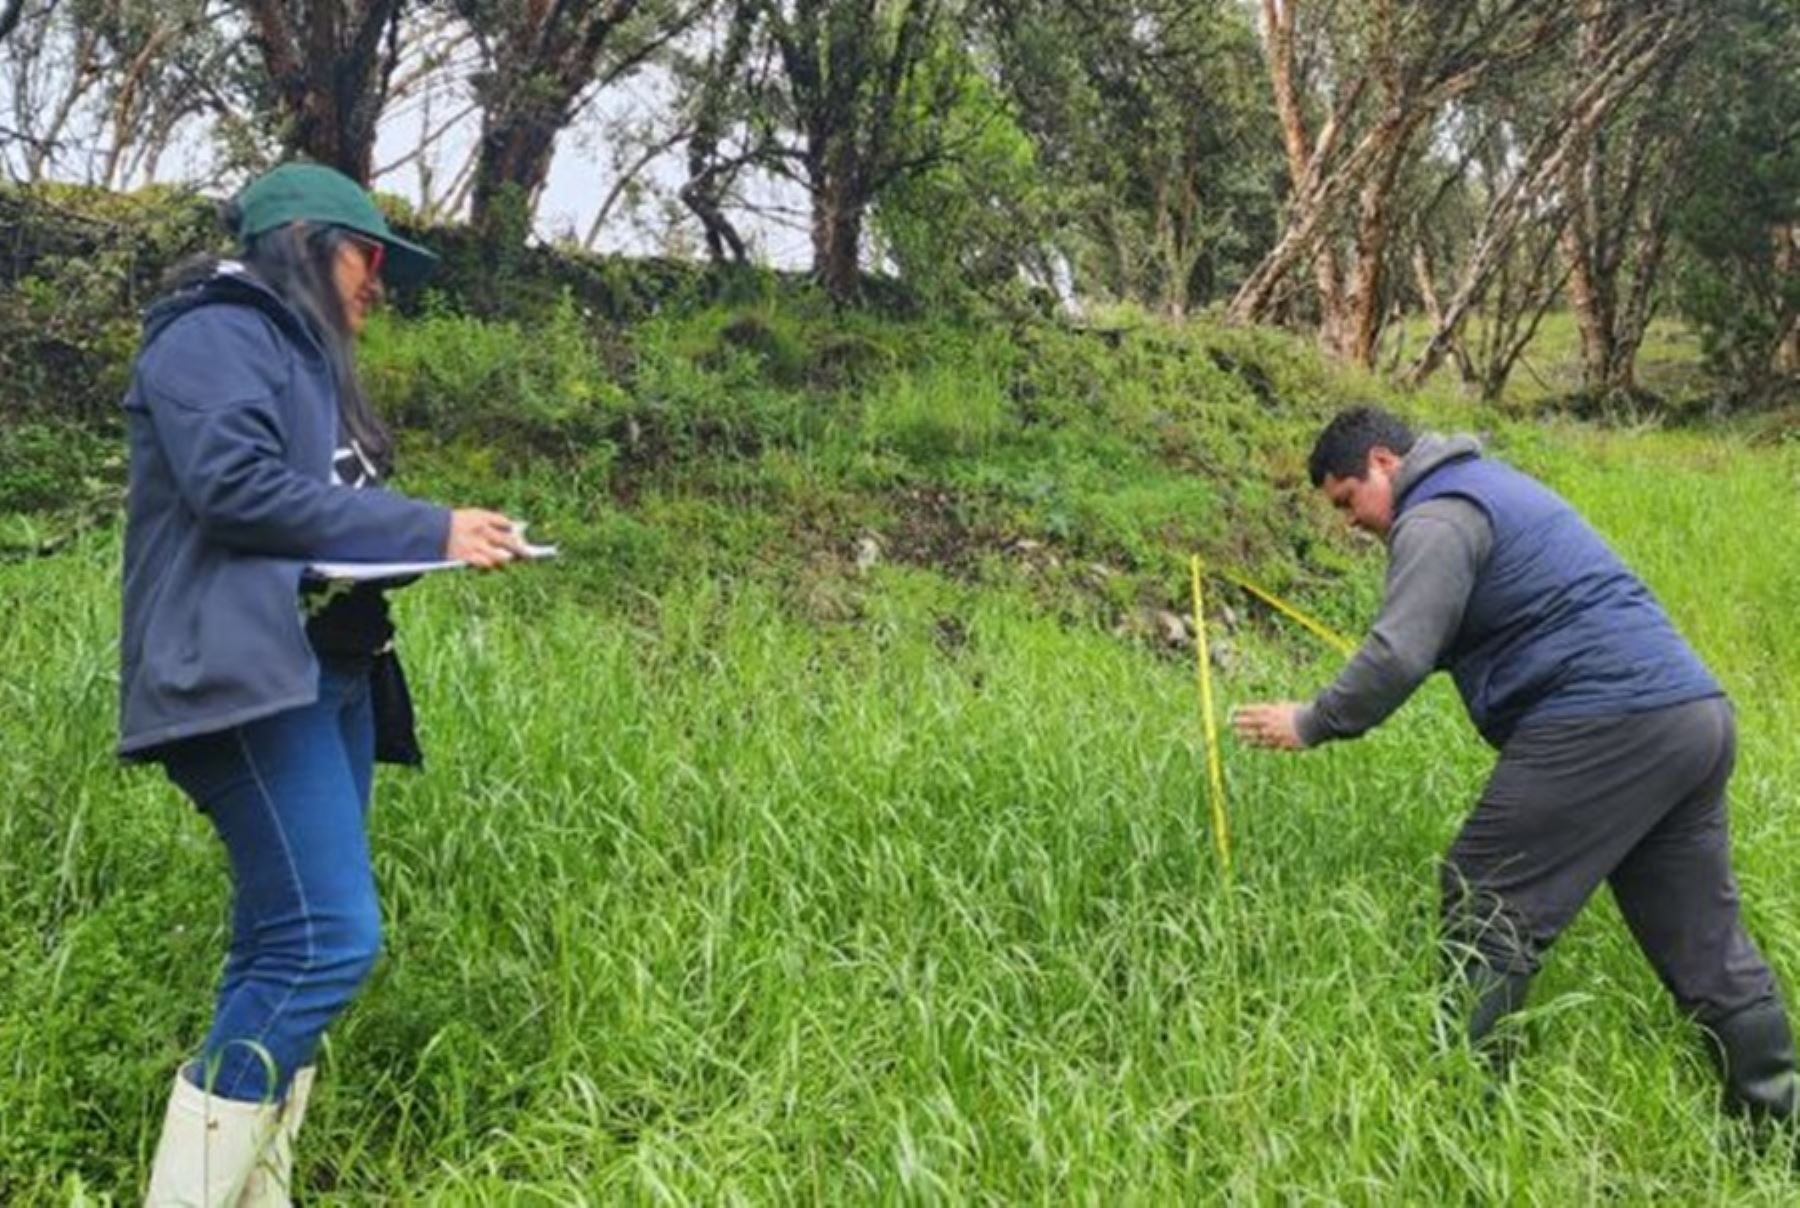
1556, 626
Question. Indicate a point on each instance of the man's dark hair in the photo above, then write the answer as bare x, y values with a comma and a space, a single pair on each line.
1342, 450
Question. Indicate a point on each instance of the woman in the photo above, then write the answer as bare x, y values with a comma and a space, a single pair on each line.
267, 697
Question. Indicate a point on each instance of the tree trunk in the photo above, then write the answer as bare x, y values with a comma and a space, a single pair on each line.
702, 196
1619, 187
1425, 280
10, 13
1787, 353
1554, 163
1177, 208
709, 177
124, 111
1787, 261
1590, 297
85, 73
1585, 243
512, 164
331, 74
336, 129
1301, 235
1374, 227
837, 223
1302, 157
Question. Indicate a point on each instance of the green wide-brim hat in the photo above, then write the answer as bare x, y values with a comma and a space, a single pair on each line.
301, 192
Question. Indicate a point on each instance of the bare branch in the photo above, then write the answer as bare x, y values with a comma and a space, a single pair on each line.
647, 156
1558, 146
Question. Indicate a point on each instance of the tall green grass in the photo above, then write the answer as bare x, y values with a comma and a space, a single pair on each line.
702, 898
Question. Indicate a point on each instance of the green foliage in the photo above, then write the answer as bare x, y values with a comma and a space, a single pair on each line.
970, 221
1739, 280
523, 282
83, 263
796, 343
543, 384
824, 826
937, 413
848, 99
1152, 130
55, 466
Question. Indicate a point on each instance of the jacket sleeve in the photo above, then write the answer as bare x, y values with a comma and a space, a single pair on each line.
213, 388
1434, 556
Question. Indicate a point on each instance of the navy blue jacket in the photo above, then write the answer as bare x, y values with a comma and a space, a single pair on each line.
1556, 626
232, 415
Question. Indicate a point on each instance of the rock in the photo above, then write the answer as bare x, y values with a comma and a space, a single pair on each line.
1223, 656
1171, 627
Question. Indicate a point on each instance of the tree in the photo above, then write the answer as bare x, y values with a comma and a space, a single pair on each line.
1619, 182
329, 64
54, 65
869, 95
10, 12
1525, 139
1150, 122
992, 194
98, 89
1354, 90
168, 60
429, 94
842, 97
723, 91
542, 60
1519, 276
1738, 228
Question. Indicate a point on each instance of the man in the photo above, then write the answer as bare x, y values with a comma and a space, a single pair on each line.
1615, 742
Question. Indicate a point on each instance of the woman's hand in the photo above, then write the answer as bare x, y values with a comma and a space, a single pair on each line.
1269, 725
481, 538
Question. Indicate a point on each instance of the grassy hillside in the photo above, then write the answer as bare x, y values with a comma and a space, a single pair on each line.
828, 824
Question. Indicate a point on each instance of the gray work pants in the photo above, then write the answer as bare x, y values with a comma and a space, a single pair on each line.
1636, 800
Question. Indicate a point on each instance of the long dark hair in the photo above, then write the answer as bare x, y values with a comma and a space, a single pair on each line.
296, 262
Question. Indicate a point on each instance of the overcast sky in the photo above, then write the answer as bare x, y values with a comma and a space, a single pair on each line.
583, 171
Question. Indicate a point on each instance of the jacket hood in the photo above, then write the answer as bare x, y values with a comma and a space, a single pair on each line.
231, 281
1430, 451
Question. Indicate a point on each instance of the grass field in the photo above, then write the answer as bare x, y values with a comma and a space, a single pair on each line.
765, 881
1669, 362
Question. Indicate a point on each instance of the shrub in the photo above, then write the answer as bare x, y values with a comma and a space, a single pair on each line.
545, 384
83, 264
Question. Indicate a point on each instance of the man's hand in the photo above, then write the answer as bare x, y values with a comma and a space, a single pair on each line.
1274, 725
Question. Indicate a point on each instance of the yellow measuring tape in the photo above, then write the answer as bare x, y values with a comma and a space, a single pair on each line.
1318, 628
1215, 777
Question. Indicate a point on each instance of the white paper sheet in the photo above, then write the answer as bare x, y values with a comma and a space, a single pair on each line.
357, 572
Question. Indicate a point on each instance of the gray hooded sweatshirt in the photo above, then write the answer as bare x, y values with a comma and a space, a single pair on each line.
1435, 551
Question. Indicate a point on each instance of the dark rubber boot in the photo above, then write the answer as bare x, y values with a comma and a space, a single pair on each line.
1492, 997
1755, 1051
1477, 1005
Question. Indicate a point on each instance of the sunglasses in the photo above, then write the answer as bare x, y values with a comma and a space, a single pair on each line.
373, 252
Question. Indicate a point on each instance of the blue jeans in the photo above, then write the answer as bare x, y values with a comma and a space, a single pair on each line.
289, 796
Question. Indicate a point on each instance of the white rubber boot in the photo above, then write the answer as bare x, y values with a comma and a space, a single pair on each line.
208, 1149
271, 1184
